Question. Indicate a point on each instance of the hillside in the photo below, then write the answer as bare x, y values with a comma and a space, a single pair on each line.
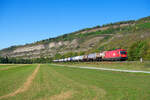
131, 35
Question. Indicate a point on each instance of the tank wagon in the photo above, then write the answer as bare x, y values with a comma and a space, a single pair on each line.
112, 55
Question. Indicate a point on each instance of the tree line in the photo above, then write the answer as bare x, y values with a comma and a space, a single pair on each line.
7, 60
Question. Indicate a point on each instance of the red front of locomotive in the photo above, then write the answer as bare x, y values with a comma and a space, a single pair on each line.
123, 53
119, 54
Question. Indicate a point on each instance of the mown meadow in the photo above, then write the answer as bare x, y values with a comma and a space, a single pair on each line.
53, 82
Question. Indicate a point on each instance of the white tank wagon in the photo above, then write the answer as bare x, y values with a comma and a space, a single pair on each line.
77, 58
69, 59
62, 60
81, 58
55, 60
73, 58
65, 60
91, 57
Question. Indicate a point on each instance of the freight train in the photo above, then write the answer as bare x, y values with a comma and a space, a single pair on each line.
113, 55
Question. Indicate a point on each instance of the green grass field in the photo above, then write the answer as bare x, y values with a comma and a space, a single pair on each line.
52, 82
133, 65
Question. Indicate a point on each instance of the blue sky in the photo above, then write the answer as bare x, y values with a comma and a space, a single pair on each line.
27, 21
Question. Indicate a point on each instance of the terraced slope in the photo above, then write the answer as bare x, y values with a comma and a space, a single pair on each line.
125, 34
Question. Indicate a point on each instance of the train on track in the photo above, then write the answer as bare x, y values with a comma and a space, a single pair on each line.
113, 55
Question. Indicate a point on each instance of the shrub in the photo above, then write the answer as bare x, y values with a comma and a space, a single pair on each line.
137, 50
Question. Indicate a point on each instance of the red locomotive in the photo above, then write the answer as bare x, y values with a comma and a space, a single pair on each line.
118, 54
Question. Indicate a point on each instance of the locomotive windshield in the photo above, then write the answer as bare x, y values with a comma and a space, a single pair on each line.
122, 52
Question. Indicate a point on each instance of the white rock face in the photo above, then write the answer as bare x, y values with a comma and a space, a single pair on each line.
51, 45
60, 43
66, 43
29, 48
74, 42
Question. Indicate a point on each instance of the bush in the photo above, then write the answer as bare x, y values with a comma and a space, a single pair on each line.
137, 50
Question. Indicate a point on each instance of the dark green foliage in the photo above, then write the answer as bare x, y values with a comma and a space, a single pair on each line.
6, 60
137, 50
143, 26
41, 60
81, 53
57, 56
100, 49
68, 54
147, 56
108, 31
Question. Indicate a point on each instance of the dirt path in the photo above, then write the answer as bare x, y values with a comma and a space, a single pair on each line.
100, 93
25, 86
62, 96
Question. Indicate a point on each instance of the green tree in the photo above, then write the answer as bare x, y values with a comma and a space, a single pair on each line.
137, 50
